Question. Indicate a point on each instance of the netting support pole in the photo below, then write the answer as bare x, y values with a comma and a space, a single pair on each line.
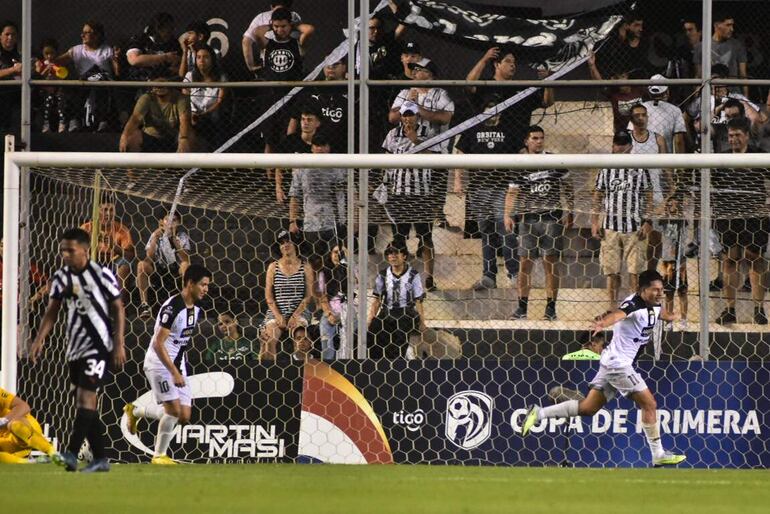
26, 74
10, 291
96, 220
705, 187
350, 315
363, 182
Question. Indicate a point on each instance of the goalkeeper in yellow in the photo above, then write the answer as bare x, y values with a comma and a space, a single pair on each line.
20, 433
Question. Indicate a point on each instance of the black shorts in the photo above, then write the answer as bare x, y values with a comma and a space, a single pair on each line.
90, 372
151, 144
748, 233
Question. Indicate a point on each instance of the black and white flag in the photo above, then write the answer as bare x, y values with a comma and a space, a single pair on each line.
553, 42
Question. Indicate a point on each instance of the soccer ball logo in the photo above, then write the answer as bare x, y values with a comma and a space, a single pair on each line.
469, 419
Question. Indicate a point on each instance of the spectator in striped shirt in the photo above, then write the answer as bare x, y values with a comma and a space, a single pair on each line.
621, 196
396, 312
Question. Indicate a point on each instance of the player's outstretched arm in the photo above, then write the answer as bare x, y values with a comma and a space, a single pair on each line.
119, 321
49, 319
608, 319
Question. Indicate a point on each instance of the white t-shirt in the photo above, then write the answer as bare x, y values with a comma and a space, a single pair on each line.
650, 146
202, 98
182, 323
83, 58
165, 253
264, 18
631, 333
435, 99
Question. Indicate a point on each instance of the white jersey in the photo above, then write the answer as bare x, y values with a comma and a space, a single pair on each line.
182, 322
650, 146
85, 60
631, 333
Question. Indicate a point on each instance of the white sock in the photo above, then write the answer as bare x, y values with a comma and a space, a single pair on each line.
153, 411
560, 410
165, 431
652, 433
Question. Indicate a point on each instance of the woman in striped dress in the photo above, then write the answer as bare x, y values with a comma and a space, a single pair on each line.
288, 289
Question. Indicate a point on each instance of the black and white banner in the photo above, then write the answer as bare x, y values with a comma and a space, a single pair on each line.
554, 42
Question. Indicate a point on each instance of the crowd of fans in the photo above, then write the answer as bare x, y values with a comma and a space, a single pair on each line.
524, 215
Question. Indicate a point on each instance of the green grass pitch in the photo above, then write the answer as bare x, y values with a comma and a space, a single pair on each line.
310, 489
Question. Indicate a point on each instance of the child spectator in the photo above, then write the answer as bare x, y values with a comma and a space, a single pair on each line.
52, 97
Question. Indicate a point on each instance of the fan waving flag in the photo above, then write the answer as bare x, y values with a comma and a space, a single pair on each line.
552, 42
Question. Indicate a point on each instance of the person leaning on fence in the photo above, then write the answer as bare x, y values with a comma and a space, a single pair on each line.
738, 200
288, 290
161, 122
397, 310
621, 197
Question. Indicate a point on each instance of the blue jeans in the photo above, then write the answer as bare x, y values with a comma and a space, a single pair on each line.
494, 236
328, 332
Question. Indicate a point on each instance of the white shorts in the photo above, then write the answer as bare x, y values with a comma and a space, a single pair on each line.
611, 381
164, 390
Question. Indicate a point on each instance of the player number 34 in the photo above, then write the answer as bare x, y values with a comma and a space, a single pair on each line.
95, 367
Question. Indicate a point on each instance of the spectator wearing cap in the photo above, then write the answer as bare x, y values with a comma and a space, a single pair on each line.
621, 197
415, 197
517, 118
288, 290
396, 311
725, 49
664, 118
321, 194
409, 55
486, 189
434, 106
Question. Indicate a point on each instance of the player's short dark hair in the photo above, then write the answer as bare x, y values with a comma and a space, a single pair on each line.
195, 273
734, 102
637, 106
281, 14
647, 277
78, 235
534, 129
742, 123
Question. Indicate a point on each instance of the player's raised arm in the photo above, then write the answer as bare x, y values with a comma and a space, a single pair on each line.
608, 319
49, 319
157, 344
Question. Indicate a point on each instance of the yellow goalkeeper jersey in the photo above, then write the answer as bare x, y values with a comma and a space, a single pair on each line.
6, 398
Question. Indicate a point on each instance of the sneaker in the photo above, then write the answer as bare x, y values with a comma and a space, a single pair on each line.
550, 313
145, 312
519, 313
46, 128
484, 284
163, 460
529, 420
74, 126
131, 419
430, 284
716, 285
760, 318
97, 466
668, 459
66, 460
727, 316
62, 127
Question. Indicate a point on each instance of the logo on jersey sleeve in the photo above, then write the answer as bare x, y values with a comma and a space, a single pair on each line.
166, 314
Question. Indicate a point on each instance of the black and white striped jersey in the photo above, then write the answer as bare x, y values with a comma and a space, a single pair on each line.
623, 203
182, 323
87, 296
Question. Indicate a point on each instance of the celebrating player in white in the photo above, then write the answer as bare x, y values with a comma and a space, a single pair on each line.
164, 363
635, 320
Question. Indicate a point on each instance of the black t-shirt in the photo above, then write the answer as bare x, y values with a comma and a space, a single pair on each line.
617, 57
283, 60
739, 192
332, 103
293, 144
516, 119
539, 191
486, 188
385, 58
8, 59
148, 45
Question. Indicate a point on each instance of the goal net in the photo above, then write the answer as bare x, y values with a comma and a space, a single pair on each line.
448, 364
